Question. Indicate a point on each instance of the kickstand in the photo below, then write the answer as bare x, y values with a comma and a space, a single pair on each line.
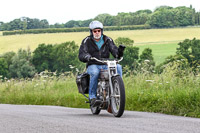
87, 99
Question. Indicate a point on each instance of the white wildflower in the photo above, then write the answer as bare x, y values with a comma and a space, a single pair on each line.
71, 66
150, 80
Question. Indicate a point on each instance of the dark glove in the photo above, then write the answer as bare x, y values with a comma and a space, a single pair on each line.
121, 50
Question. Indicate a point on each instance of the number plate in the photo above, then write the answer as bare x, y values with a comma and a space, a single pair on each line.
112, 64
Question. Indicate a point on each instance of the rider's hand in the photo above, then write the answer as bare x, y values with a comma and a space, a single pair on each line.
122, 47
121, 50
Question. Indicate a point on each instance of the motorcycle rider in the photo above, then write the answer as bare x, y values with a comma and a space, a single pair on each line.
99, 46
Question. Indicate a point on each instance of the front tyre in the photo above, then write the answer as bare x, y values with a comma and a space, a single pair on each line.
118, 97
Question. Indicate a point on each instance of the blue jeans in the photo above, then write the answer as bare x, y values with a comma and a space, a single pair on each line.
93, 71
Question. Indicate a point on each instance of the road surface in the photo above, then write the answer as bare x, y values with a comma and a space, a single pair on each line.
55, 119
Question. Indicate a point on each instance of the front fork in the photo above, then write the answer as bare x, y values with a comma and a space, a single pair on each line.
112, 73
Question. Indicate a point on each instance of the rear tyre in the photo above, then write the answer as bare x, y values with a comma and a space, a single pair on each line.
118, 97
95, 110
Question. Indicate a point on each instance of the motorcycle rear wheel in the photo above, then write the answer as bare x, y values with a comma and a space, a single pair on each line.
95, 110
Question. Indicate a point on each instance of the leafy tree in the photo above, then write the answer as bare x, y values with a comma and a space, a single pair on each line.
1, 26
190, 49
43, 58
57, 25
72, 23
44, 24
24, 23
170, 17
3, 68
8, 57
195, 46
161, 18
197, 18
131, 55
64, 55
105, 18
16, 24
85, 23
124, 40
185, 49
146, 55
161, 8
21, 66
185, 16
147, 11
187, 56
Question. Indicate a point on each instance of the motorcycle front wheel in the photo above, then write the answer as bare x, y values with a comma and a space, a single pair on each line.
118, 97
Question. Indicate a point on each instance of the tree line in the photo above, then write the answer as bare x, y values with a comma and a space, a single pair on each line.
163, 16
24, 23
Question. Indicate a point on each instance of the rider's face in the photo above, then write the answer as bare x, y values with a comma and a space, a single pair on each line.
96, 33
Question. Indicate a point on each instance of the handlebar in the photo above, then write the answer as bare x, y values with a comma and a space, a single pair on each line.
105, 61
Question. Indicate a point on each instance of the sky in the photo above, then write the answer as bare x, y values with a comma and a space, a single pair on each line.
61, 11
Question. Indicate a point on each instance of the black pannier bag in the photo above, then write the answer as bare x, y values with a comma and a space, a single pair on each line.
82, 81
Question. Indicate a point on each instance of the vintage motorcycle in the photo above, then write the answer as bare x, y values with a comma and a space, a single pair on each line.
110, 91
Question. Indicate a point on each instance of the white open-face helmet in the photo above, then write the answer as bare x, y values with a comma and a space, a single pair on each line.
96, 25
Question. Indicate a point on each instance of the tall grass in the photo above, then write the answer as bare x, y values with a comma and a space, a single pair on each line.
165, 93
42, 90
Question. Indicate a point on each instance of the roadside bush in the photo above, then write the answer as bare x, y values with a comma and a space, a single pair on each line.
187, 57
146, 55
146, 61
190, 49
180, 61
131, 55
21, 66
178, 68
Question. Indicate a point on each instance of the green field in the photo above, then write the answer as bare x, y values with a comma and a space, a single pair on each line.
160, 51
163, 42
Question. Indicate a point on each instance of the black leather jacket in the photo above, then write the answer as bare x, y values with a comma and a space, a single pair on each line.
89, 49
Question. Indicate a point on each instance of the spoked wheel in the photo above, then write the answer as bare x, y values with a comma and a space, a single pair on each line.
95, 110
118, 97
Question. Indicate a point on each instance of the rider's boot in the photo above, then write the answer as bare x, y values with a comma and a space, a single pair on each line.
95, 102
